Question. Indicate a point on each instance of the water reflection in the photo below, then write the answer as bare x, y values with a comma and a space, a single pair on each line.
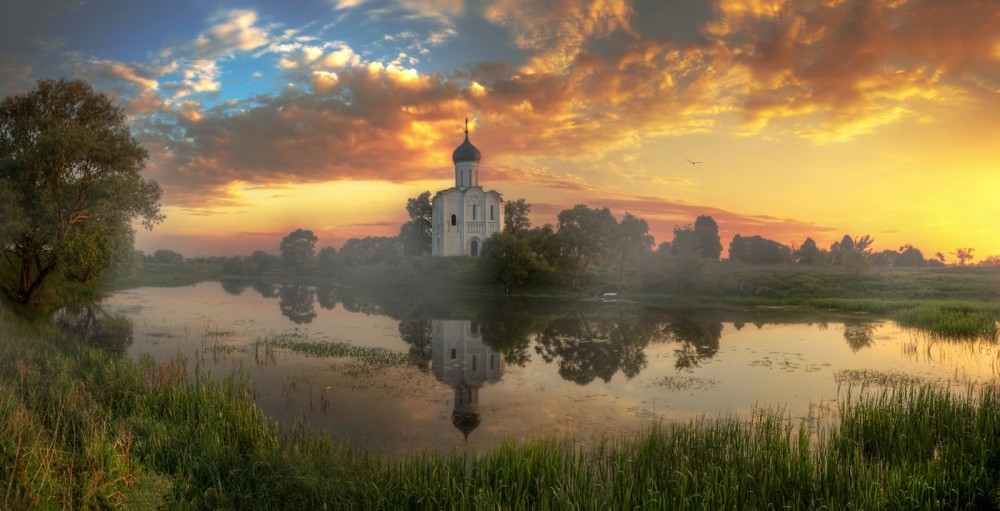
595, 348
296, 303
326, 296
463, 361
234, 287
417, 333
858, 334
94, 326
577, 369
698, 336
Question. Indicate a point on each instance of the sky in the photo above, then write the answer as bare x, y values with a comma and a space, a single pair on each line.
809, 118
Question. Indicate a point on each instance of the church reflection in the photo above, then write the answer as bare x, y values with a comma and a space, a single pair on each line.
461, 360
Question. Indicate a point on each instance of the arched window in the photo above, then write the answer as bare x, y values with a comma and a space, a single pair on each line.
454, 221
491, 212
473, 211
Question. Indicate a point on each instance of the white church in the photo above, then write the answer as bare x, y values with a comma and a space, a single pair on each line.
465, 214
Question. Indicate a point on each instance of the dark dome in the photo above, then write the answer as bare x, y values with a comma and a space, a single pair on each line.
465, 422
466, 152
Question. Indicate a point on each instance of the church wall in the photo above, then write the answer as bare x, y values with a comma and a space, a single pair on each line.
475, 220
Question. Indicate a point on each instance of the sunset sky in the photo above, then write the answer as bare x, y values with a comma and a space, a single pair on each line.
810, 118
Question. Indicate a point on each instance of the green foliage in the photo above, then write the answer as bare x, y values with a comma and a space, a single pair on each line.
507, 259
415, 235
706, 233
808, 253
758, 250
167, 257
326, 260
264, 262
70, 187
630, 240
368, 251
584, 235
910, 256
515, 217
298, 249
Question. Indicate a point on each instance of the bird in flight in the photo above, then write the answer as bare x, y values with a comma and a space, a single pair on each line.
691, 162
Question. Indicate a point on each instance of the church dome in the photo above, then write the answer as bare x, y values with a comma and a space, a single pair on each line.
466, 152
465, 422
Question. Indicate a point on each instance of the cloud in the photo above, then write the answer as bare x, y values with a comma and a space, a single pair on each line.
557, 31
591, 90
232, 31
835, 70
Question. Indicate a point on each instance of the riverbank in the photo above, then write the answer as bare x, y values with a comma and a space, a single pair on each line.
83, 428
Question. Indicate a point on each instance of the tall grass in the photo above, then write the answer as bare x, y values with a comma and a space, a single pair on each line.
82, 429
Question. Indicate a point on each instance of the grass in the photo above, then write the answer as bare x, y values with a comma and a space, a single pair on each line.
80, 428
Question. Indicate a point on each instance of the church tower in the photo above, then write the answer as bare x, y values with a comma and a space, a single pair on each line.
464, 215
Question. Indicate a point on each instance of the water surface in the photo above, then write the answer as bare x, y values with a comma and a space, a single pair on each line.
459, 375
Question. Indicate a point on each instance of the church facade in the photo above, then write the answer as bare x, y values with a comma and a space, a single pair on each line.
464, 215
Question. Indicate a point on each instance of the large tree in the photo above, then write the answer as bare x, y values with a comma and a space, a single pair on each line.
706, 233
507, 259
415, 235
808, 253
629, 240
298, 249
70, 186
584, 235
515, 217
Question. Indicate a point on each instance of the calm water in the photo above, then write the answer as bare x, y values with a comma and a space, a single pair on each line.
480, 372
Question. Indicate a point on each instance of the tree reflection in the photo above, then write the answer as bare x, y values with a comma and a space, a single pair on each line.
417, 333
859, 334
353, 302
91, 324
265, 289
590, 349
698, 336
326, 296
234, 287
507, 330
296, 303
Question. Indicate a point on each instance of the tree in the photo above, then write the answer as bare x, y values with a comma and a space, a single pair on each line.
515, 217
910, 256
326, 260
583, 236
706, 233
758, 250
854, 253
415, 235
630, 239
70, 186
808, 253
963, 255
367, 251
684, 243
168, 257
507, 259
262, 261
298, 249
